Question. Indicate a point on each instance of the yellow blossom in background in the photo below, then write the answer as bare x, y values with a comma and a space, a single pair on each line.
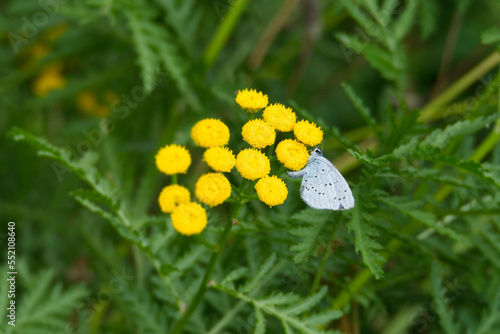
209, 133
251, 101
252, 164
212, 189
189, 218
220, 159
292, 154
57, 31
279, 117
172, 196
50, 79
308, 133
87, 103
271, 190
258, 133
173, 159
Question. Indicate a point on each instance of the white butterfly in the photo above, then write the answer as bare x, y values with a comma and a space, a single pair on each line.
323, 187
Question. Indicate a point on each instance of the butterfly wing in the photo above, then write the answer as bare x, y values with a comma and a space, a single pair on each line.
323, 187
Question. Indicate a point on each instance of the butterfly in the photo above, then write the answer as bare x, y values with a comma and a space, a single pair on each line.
323, 187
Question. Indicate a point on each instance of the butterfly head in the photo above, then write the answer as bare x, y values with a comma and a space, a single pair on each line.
316, 152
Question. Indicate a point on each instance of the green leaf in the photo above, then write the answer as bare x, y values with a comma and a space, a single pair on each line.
311, 223
404, 22
288, 308
260, 324
428, 11
411, 209
362, 238
362, 109
445, 314
491, 36
264, 269
46, 306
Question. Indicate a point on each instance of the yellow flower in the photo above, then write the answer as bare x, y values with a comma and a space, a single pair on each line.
252, 164
251, 101
189, 218
172, 196
271, 190
213, 189
308, 133
86, 101
48, 80
258, 133
220, 159
292, 154
209, 133
173, 159
279, 117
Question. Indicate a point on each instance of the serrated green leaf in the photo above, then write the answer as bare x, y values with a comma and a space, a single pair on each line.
260, 323
264, 269
445, 315
363, 243
404, 22
411, 209
311, 223
362, 109
234, 275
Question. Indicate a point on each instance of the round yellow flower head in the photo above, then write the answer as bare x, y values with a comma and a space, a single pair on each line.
279, 117
173, 159
212, 189
252, 164
271, 190
209, 133
189, 218
49, 80
220, 159
171, 196
292, 154
251, 101
258, 133
308, 133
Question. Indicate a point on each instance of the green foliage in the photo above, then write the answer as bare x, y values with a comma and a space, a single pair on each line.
406, 93
44, 307
288, 308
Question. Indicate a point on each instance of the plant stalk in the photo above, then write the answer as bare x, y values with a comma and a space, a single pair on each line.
216, 252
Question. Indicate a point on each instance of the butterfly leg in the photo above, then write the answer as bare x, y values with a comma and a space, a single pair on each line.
297, 174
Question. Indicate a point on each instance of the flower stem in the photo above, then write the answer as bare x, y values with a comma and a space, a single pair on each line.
225, 29
216, 252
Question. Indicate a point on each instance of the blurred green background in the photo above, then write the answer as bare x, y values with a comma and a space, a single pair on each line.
123, 78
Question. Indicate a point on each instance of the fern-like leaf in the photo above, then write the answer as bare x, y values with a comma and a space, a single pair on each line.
363, 232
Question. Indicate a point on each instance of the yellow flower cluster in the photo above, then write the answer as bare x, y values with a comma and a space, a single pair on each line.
214, 188
187, 217
308, 133
210, 133
252, 164
51, 77
48, 80
258, 133
88, 102
173, 159
251, 101
279, 117
220, 159
271, 190
292, 154
172, 196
